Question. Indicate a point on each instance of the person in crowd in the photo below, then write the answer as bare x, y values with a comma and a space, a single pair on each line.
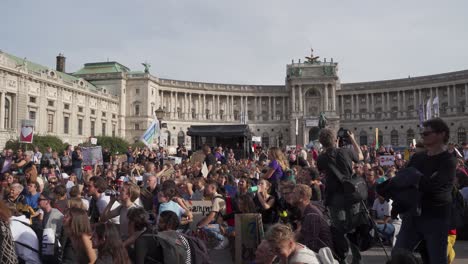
75, 192
265, 203
278, 164
60, 192
381, 212
166, 203
6, 161
210, 159
128, 194
198, 189
26, 241
149, 193
37, 156
50, 217
15, 196
297, 160
66, 161
32, 196
334, 163
110, 248
99, 201
77, 161
283, 244
210, 222
78, 229
313, 231
438, 167
8, 250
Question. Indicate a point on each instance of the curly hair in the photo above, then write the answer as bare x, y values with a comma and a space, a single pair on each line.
139, 217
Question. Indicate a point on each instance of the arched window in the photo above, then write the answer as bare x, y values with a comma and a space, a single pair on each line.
250, 115
6, 121
207, 114
380, 138
236, 115
264, 116
278, 116
409, 137
461, 135
194, 114
378, 113
265, 140
168, 141
363, 138
179, 112
221, 114
181, 138
394, 138
280, 139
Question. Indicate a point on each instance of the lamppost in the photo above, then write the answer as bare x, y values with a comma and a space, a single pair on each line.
160, 115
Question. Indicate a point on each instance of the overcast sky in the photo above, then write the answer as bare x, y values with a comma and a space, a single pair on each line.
242, 41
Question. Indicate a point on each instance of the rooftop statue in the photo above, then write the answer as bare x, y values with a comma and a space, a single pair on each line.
311, 59
147, 66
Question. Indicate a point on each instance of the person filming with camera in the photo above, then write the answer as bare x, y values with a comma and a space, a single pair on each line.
336, 162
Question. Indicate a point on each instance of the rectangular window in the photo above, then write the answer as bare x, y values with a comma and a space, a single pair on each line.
66, 120
32, 115
50, 103
103, 129
80, 127
137, 91
137, 126
93, 127
66, 106
114, 116
103, 114
50, 123
93, 112
80, 109
113, 130
32, 99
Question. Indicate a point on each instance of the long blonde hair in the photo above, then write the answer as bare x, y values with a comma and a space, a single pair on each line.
278, 155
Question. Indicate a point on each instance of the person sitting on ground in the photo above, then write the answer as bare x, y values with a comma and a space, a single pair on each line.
381, 212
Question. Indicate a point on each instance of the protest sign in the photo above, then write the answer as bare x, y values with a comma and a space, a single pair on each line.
204, 170
27, 131
92, 155
249, 233
387, 160
198, 156
199, 209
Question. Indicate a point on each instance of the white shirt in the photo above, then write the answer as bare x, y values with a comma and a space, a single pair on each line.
101, 204
382, 209
25, 235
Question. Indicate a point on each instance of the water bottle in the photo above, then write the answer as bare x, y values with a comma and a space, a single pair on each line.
253, 189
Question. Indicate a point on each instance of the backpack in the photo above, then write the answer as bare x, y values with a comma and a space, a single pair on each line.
458, 208
198, 250
354, 186
174, 250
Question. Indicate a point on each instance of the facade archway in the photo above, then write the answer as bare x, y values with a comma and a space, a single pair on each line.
181, 138
265, 140
394, 138
363, 138
313, 102
409, 137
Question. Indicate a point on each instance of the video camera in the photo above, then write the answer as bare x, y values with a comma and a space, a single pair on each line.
343, 137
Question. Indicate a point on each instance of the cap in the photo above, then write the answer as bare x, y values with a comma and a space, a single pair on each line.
87, 168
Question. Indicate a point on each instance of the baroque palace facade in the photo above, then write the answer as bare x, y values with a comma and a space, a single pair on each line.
107, 98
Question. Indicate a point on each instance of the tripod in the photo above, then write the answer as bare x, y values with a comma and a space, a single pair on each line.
374, 227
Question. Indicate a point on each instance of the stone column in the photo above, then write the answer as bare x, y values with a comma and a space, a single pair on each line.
466, 97
247, 108
352, 105
326, 98
372, 105
199, 106
274, 108
405, 109
260, 104
269, 108
2, 111
218, 109
232, 107
301, 101
342, 105
449, 101
284, 108
367, 102
333, 91
414, 100
177, 105
455, 99
293, 99
204, 107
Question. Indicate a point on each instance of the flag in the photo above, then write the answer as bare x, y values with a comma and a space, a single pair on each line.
376, 138
297, 126
151, 133
428, 109
435, 105
421, 114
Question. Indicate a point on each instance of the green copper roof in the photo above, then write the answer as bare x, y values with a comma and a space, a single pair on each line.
102, 67
39, 69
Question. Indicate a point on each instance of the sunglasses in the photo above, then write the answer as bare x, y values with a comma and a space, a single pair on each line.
427, 133
53, 182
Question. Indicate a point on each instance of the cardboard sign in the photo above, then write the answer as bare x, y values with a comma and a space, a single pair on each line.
94, 141
249, 234
173, 160
199, 209
204, 170
92, 155
198, 156
387, 160
27, 131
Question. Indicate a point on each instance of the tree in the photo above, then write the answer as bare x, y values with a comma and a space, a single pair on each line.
40, 141
115, 144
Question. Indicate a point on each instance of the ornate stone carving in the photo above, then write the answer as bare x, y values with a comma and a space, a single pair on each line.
67, 96
33, 87
93, 102
51, 92
81, 99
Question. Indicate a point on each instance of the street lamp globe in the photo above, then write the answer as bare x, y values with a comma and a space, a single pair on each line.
160, 113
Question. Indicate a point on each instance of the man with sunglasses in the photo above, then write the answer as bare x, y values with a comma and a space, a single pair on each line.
438, 167
51, 217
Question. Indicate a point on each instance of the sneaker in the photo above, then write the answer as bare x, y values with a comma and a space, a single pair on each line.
223, 244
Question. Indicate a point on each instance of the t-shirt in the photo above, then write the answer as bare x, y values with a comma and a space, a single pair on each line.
172, 206
278, 173
382, 209
210, 159
219, 204
76, 161
32, 200
303, 255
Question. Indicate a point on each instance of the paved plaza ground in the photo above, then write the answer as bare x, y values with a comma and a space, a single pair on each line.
375, 255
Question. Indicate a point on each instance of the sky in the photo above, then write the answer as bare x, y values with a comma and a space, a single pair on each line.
242, 41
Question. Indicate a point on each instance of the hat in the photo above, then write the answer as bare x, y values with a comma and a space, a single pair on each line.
87, 168
65, 176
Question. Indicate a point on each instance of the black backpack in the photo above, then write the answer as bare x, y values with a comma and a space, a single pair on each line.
458, 208
198, 250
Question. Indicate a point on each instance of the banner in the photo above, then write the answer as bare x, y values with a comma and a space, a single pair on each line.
92, 155
297, 127
387, 160
199, 209
151, 133
428, 109
27, 131
435, 105
249, 234
421, 114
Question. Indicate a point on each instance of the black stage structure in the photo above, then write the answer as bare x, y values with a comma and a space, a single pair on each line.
237, 137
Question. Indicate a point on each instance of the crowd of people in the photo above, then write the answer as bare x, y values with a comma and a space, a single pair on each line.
129, 208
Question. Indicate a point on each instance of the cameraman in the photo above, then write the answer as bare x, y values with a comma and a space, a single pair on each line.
340, 214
